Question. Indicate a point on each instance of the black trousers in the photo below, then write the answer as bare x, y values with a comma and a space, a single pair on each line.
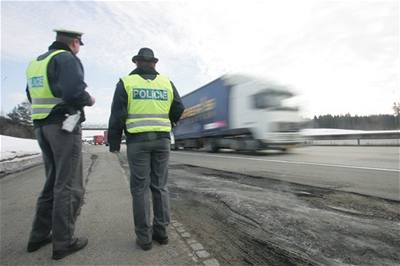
148, 162
62, 194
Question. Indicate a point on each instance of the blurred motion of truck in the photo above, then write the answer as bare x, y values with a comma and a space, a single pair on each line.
238, 112
98, 140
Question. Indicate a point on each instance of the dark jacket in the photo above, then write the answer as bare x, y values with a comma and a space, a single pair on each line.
66, 79
119, 113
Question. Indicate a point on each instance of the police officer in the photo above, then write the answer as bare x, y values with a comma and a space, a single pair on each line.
56, 89
145, 105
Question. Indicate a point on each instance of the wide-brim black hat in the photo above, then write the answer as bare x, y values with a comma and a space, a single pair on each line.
145, 54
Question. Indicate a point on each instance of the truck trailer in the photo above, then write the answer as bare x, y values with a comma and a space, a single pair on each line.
238, 112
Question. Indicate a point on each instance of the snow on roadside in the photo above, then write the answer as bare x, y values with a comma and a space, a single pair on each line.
15, 148
328, 131
336, 131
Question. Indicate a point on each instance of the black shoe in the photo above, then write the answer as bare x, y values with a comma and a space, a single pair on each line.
33, 246
161, 240
79, 244
144, 246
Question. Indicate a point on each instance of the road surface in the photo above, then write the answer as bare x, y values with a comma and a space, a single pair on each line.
371, 171
229, 209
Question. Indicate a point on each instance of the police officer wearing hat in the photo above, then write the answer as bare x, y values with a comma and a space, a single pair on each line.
145, 105
56, 89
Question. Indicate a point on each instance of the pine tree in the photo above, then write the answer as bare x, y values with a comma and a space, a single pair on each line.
396, 110
21, 114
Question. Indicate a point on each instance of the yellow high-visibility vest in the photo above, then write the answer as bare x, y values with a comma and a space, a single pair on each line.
149, 102
43, 100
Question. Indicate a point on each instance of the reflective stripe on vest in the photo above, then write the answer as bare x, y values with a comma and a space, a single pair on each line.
149, 102
137, 124
165, 116
47, 101
40, 111
43, 100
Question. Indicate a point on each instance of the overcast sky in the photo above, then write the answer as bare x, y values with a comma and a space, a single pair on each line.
339, 56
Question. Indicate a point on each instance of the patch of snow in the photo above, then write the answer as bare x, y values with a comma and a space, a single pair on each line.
336, 131
15, 148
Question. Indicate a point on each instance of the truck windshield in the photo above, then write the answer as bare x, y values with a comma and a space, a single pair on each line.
272, 99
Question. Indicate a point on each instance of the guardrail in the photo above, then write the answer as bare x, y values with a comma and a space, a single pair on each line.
371, 138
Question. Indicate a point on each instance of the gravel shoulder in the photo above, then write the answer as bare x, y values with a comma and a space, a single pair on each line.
249, 220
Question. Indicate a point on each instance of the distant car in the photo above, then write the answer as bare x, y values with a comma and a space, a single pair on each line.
98, 140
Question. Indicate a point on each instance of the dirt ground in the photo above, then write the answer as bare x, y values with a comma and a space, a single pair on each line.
249, 220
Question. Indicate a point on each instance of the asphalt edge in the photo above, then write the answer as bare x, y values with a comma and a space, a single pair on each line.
12, 167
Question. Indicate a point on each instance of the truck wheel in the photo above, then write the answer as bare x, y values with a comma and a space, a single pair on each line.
286, 150
239, 145
211, 146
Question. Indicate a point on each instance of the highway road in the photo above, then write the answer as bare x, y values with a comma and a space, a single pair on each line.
229, 209
291, 209
373, 171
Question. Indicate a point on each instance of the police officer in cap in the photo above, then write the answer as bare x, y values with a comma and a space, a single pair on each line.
56, 89
145, 105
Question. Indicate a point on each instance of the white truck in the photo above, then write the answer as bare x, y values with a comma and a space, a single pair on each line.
238, 112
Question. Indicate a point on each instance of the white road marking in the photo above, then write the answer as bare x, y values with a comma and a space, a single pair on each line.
291, 162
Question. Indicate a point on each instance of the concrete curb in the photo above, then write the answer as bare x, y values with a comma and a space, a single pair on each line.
198, 253
19, 164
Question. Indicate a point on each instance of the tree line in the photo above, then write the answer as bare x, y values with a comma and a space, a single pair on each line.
12, 128
370, 122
